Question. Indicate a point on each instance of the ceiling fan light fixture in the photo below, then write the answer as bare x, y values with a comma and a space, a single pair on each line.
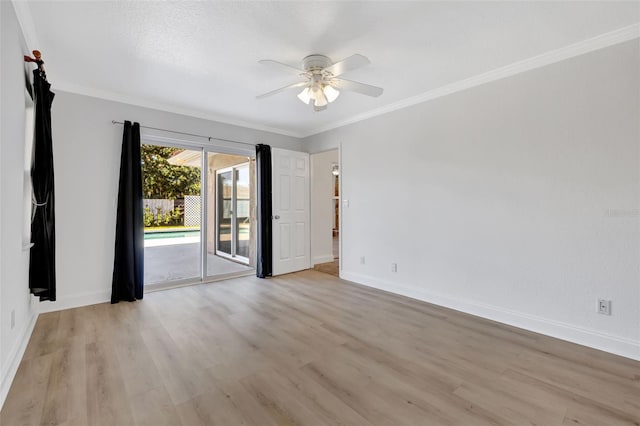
330, 93
305, 96
321, 99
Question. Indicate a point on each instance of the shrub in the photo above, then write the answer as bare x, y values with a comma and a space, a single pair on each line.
171, 218
147, 217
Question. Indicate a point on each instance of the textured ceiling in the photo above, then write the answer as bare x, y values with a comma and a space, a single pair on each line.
201, 58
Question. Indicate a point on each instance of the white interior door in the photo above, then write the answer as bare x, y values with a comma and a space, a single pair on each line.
291, 235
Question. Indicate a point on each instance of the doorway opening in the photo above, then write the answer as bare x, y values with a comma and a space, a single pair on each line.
325, 200
335, 234
194, 235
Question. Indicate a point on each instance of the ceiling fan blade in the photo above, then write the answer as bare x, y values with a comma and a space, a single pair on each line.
282, 89
351, 63
283, 67
354, 86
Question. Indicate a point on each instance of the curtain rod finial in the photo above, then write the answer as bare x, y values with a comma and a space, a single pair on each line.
37, 57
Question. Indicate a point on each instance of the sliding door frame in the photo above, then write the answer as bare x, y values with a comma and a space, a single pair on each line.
153, 138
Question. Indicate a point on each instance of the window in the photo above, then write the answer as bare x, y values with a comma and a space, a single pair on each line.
27, 188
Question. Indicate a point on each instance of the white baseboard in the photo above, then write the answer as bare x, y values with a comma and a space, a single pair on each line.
15, 357
322, 259
76, 301
614, 344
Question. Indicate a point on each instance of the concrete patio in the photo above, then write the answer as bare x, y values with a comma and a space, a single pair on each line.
171, 262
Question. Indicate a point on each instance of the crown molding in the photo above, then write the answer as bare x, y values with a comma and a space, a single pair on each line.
144, 103
599, 42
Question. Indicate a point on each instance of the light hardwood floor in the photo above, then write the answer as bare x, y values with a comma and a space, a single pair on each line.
331, 268
307, 348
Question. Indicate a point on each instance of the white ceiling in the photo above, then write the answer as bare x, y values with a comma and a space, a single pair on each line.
201, 58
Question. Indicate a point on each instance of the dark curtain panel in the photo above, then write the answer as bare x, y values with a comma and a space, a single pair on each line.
42, 257
264, 265
128, 265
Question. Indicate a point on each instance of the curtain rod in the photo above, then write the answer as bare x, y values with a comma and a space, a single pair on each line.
37, 58
188, 134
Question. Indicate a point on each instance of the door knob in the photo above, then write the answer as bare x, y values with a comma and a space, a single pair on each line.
276, 217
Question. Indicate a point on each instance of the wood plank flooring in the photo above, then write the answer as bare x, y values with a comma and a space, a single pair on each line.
307, 348
331, 268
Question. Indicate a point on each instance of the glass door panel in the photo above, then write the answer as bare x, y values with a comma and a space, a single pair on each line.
171, 180
230, 234
225, 212
242, 211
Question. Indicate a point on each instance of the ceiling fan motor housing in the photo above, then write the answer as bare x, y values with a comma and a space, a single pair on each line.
316, 62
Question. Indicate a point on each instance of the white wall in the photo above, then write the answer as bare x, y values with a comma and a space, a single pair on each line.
516, 200
322, 192
87, 160
14, 286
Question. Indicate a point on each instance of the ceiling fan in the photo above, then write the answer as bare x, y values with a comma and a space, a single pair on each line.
321, 84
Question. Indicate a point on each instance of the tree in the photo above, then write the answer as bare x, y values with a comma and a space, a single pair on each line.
162, 180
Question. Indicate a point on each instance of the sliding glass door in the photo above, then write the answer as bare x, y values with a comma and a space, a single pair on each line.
230, 224
197, 214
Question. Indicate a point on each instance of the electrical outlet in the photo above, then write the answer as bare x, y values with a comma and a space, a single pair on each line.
394, 267
13, 318
604, 307
362, 260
